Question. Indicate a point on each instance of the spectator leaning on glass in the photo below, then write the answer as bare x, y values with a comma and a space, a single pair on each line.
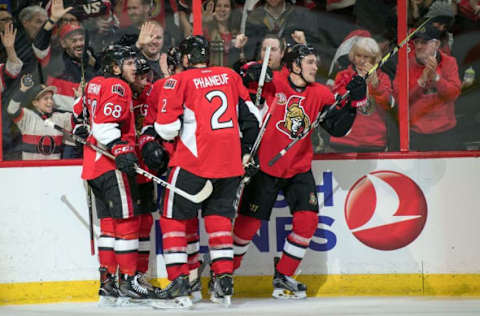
369, 131
434, 85
28, 108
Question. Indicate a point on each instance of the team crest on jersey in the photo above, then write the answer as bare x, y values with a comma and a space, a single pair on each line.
118, 89
295, 120
170, 84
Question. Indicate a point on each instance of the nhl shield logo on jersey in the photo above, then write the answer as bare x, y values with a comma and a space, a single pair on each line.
118, 89
295, 120
170, 84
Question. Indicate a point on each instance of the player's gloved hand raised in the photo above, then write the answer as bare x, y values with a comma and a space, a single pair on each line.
155, 157
125, 158
358, 91
250, 73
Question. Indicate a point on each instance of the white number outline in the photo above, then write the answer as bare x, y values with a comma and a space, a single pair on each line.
215, 120
116, 111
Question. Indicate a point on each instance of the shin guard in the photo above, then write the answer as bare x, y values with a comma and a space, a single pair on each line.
106, 244
244, 229
193, 244
304, 225
174, 246
146, 221
220, 242
126, 244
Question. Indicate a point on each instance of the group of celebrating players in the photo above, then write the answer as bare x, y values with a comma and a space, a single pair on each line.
199, 126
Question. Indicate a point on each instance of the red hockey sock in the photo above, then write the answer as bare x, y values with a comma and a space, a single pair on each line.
304, 225
174, 246
146, 221
106, 244
126, 244
243, 231
193, 244
220, 241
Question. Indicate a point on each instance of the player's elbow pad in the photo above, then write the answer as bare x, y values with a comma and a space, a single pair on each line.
105, 133
168, 131
338, 122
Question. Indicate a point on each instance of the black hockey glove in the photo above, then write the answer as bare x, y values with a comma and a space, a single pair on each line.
82, 131
125, 158
253, 165
155, 157
250, 73
358, 91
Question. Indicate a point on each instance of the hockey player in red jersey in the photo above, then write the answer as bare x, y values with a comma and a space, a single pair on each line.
154, 152
299, 101
107, 103
207, 108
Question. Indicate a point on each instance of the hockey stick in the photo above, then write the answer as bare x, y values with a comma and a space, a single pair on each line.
64, 199
321, 117
90, 218
256, 144
201, 196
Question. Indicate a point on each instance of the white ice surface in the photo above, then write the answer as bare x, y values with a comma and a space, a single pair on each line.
411, 306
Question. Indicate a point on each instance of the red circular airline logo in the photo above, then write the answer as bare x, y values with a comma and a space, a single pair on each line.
385, 210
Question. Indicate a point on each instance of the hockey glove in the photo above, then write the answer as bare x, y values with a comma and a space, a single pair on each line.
155, 157
358, 91
125, 158
250, 73
82, 131
251, 166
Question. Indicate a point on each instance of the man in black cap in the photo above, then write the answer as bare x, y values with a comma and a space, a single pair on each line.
434, 85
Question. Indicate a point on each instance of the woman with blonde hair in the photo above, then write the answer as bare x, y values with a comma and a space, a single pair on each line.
369, 131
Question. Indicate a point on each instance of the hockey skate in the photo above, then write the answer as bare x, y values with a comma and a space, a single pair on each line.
175, 295
108, 291
221, 289
285, 287
132, 292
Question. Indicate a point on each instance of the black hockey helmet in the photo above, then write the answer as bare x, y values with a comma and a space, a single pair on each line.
142, 66
115, 54
297, 53
196, 48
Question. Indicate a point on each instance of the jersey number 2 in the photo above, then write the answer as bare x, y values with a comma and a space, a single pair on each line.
215, 120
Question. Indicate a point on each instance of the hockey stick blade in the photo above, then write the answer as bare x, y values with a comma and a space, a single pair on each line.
199, 197
196, 198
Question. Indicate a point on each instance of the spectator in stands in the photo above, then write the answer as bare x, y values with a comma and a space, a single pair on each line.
5, 18
31, 18
442, 16
28, 108
223, 24
369, 131
434, 85
8, 73
220, 24
277, 51
283, 19
64, 71
149, 45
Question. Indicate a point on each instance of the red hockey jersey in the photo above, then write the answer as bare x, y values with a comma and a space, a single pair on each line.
110, 108
294, 113
200, 105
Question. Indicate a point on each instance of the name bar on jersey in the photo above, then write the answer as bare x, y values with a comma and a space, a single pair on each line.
211, 81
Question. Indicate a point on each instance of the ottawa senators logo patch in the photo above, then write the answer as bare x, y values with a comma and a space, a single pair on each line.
313, 199
170, 84
118, 89
295, 120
